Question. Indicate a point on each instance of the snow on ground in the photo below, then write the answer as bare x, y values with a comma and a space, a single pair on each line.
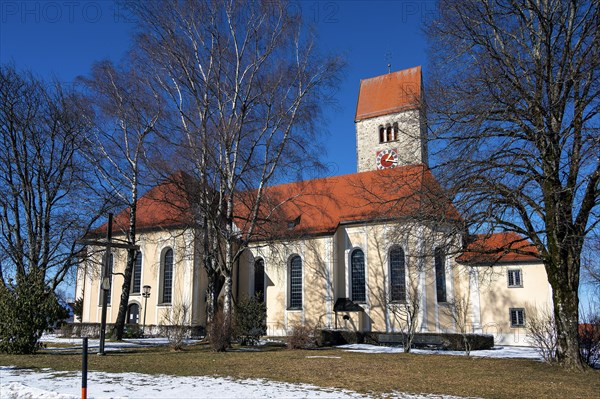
48, 384
516, 352
94, 343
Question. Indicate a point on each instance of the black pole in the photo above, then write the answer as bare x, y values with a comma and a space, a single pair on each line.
105, 275
84, 363
145, 306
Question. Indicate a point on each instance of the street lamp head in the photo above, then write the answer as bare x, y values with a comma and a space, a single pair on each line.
146, 291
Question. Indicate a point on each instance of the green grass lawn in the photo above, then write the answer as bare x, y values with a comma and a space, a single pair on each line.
362, 372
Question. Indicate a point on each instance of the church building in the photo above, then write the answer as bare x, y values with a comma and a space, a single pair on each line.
355, 252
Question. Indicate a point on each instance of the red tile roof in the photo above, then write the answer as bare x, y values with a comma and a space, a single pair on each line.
306, 208
319, 206
499, 248
389, 93
162, 207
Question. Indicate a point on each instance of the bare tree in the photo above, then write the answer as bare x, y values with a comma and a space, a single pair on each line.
514, 97
127, 114
42, 182
589, 335
591, 262
408, 314
541, 331
243, 78
459, 311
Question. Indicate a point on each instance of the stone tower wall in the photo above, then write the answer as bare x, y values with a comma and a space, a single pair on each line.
411, 143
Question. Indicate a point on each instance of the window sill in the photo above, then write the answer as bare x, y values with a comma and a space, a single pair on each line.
164, 304
515, 286
294, 309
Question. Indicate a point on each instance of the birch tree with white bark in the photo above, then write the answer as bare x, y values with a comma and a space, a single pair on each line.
246, 84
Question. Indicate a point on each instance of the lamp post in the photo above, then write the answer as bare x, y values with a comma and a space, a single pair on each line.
146, 295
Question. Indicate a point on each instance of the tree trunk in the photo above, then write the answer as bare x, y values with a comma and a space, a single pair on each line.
212, 294
228, 298
131, 255
566, 311
124, 302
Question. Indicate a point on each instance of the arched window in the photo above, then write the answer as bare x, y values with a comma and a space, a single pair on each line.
397, 275
133, 313
381, 134
136, 278
395, 131
259, 280
440, 274
357, 277
167, 276
295, 282
389, 134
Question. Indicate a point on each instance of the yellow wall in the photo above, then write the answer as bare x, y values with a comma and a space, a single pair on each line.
326, 261
189, 279
496, 298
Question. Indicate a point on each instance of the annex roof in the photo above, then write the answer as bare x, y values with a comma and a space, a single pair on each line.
319, 206
389, 93
503, 247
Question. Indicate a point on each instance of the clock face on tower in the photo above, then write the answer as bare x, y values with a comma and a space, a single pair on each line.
387, 159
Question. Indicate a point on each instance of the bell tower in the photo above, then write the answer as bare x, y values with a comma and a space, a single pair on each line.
390, 121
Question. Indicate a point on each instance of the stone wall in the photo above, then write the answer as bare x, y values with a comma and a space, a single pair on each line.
411, 143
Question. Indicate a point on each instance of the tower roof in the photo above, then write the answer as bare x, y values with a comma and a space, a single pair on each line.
389, 93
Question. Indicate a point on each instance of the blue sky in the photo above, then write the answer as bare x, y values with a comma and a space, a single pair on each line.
62, 39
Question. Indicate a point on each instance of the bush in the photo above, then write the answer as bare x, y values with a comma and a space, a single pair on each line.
467, 342
219, 333
78, 308
541, 331
250, 320
132, 331
173, 325
27, 309
301, 337
589, 337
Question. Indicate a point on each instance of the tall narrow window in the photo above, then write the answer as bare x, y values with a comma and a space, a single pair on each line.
381, 134
110, 279
296, 282
259, 280
167, 276
137, 274
395, 131
357, 260
440, 274
397, 275
389, 134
